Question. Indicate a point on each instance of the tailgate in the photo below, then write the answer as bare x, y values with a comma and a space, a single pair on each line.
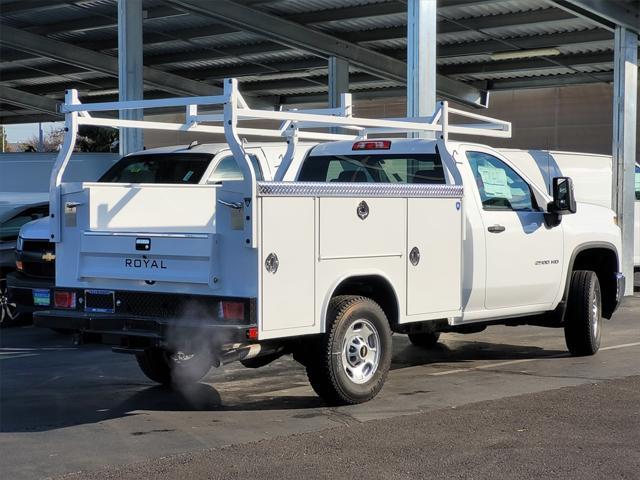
150, 233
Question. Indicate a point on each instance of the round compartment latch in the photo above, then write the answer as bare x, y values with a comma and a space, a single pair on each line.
414, 256
362, 210
272, 263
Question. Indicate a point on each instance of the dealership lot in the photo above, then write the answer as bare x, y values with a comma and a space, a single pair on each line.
67, 409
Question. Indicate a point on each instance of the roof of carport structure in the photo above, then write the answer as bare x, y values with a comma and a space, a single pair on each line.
190, 50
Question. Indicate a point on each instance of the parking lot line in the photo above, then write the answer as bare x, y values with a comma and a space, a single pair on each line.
524, 360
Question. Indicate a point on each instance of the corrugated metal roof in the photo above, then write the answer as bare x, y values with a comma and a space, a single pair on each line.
198, 46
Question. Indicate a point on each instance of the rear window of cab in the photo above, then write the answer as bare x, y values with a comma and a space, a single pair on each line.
374, 168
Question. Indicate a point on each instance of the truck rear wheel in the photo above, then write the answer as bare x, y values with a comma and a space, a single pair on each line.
351, 360
583, 322
424, 339
173, 368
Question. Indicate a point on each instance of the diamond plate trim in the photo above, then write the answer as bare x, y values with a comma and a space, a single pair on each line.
320, 189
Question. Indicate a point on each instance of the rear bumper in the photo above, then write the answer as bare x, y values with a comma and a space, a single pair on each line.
141, 332
20, 290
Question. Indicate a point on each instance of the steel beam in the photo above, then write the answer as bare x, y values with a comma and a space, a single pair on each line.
28, 100
88, 59
527, 65
295, 35
625, 107
130, 67
421, 60
604, 13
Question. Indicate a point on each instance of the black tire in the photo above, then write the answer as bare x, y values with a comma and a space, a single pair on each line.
62, 331
333, 365
176, 370
583, 321
9, 316
424, 339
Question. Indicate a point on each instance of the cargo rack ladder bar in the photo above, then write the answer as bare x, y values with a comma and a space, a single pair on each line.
235, 109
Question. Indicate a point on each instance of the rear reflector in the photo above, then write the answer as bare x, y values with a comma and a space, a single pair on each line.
372, 145
62, 299
231, 310
252, 333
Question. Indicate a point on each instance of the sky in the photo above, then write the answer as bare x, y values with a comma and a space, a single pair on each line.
21, 132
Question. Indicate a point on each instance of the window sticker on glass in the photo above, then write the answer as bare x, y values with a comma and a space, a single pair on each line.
187, 176
495, 182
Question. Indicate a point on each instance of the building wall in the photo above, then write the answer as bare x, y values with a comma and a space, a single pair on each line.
572, 118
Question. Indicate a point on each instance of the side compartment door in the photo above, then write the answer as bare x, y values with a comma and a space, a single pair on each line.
287, 266
524, 257
434, 257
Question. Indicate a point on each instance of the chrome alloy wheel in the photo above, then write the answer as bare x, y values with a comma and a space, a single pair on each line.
361, 351
8, 310
595, 312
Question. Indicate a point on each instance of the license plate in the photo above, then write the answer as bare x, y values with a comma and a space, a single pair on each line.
41, 297
99, 301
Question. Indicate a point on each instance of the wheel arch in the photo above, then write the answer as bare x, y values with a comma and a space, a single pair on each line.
603, 259
375, 286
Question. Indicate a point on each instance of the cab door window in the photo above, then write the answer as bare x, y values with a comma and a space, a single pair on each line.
500, 187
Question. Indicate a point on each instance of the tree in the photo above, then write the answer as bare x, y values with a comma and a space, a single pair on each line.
51, 142
97, 139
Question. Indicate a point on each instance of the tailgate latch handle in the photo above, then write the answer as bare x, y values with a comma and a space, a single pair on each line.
234, 205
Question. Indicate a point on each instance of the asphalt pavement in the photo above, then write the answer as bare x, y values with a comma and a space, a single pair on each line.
508, 402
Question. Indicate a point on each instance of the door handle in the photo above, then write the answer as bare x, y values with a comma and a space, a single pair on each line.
496, 228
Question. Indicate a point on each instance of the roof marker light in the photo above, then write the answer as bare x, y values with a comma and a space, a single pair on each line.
372, 145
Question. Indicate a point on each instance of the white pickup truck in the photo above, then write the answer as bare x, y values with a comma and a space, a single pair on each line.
31, 286
374, 236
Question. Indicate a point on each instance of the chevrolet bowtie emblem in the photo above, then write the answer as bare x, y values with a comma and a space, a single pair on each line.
48, 257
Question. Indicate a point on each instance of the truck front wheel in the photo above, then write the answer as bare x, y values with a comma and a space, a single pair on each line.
174, 368
583, 322
349, 363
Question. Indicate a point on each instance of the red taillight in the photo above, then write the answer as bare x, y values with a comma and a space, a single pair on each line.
372, 145
252, 333
231, 310
62, 299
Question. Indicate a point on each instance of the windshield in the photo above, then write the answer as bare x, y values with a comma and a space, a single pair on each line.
159, 168
378, 168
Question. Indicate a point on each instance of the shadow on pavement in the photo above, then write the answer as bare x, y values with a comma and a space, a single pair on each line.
68, 388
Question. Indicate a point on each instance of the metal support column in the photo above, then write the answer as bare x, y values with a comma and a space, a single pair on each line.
338, 80
625, 105
421, 58
338, 84
130, 68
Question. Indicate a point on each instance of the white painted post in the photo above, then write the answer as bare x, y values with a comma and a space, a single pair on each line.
421, 60
625, 106
130, 70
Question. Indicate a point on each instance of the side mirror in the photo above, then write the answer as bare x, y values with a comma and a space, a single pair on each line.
564, 200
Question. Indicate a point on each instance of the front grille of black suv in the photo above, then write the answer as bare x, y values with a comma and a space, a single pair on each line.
39, 269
